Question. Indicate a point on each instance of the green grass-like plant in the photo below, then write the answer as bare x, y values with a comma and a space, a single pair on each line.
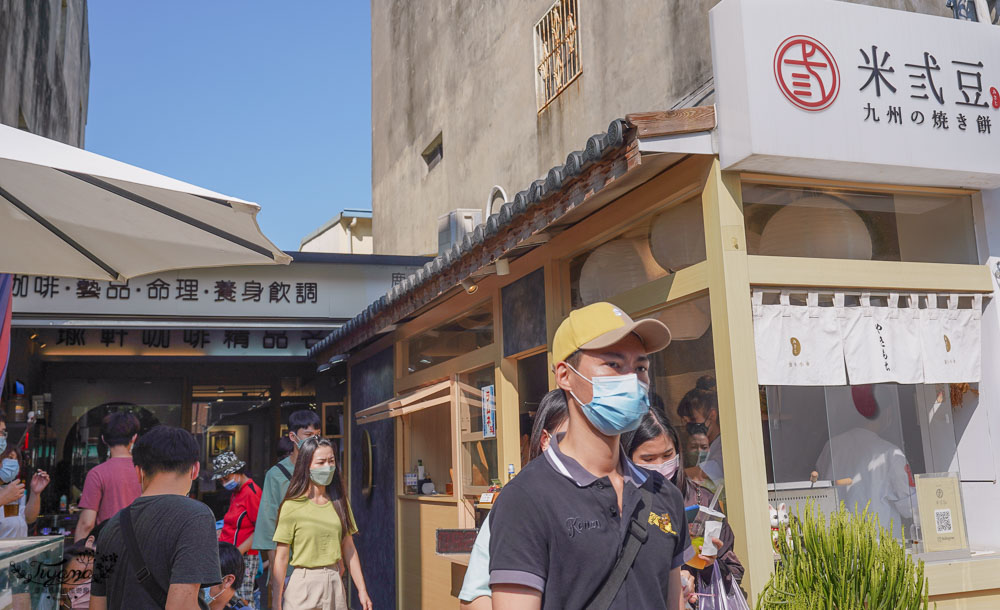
848, 563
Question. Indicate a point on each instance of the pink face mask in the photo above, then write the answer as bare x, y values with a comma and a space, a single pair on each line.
667, 469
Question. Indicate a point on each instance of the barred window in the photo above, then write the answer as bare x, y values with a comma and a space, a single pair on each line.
557, 51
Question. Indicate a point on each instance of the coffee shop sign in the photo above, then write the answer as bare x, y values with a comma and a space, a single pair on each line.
931, 90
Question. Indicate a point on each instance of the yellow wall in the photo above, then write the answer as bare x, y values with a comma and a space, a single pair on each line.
425, 579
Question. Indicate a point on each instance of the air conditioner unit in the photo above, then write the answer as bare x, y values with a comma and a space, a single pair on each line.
455, 225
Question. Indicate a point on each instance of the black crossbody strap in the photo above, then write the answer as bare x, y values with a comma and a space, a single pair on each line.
137, 563
636, 537
284, 470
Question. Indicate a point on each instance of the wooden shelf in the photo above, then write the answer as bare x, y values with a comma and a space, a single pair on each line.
459, 558
439, 498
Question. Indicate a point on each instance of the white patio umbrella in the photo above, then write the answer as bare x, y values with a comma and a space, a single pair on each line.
68, 212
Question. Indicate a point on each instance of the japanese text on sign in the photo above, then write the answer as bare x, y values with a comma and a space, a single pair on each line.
489, 412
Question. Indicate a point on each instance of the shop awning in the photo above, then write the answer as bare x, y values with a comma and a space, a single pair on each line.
431, 396
68, 212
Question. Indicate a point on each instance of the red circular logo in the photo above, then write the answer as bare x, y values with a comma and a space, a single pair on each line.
806, 73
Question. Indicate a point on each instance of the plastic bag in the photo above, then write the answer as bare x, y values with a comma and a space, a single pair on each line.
714, 595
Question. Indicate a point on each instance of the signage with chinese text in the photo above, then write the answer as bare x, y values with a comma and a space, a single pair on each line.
489, 412
846, 91
296, 291
172, 342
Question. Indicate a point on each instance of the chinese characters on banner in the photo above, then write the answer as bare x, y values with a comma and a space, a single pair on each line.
489, 412
158, 289
844, 91
945, 95
176, 342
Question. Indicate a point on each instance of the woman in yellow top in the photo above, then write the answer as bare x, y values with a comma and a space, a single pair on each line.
315, 526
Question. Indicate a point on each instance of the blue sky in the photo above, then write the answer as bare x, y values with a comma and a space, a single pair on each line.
262, 100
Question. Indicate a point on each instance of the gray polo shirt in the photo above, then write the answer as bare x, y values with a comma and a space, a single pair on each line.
556, 528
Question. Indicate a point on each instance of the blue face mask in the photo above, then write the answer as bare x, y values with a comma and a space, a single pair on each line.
231, 484
206, 594
618, 405
9, 469
299, 441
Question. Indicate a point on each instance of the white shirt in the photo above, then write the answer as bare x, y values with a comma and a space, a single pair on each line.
877, 470
477, 576
14, 527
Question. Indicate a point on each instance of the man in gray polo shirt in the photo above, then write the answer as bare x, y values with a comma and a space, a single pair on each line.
558, 526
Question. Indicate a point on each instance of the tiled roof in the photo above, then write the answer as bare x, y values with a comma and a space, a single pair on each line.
577, 162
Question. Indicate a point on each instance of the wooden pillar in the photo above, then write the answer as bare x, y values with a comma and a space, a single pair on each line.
736, 376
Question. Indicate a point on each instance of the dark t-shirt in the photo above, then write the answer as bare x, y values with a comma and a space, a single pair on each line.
557, 528
177, 539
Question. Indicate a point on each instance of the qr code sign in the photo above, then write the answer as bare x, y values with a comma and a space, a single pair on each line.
942, 521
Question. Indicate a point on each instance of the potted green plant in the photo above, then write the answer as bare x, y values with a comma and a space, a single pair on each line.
846, 562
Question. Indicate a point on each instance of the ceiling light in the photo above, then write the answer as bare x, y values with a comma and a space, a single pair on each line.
326, 366
220, 390
425, 361
469, 286
337, 359
33, 336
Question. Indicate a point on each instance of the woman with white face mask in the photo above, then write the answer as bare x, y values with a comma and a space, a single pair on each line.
316, 528
654, 446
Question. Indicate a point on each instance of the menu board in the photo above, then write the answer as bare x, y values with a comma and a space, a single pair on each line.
942, 518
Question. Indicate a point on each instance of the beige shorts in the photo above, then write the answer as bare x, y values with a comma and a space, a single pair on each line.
315, 589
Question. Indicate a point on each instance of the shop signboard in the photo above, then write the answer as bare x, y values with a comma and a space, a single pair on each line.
840, 90
173, 342
489, 412
296, 291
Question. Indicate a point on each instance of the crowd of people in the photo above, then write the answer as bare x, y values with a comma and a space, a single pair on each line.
595, 519
142, 542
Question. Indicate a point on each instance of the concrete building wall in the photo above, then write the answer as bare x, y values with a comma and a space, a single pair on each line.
45, 63
466, 70
342, 238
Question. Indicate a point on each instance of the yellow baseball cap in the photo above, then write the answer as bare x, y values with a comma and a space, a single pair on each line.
602, 325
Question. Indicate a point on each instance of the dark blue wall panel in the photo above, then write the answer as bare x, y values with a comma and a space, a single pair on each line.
371, 383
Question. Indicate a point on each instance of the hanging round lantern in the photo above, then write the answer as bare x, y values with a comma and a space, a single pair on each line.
677, 236
687, 321
817, 227
615, 267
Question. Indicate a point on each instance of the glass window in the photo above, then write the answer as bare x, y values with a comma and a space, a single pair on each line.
862, 445
427, 441
467, 333
682, 382
841, 223
479, 451
532, 386
653, 248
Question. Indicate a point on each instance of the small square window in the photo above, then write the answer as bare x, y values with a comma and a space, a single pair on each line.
557, 51
433, 153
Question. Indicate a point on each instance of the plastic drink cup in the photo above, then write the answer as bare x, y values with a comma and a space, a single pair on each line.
713, 529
